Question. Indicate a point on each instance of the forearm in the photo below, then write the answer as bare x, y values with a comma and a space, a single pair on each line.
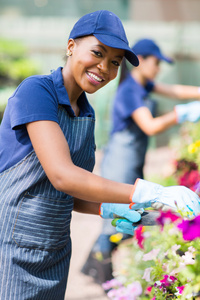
86, 207
177, 91
162, 123
84, 185
150, 125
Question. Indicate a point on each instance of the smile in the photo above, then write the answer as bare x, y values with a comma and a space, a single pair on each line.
94, 77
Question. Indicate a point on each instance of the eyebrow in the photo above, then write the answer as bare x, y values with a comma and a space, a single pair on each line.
101, 46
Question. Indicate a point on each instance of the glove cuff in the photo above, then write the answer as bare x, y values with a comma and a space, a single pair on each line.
100, 210
132, 192
146, 192
181, 113
176, 114
106, 210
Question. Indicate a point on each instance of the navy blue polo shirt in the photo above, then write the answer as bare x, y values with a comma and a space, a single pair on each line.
130, 96
35, 99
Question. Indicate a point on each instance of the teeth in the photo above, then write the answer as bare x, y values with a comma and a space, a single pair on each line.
95, 77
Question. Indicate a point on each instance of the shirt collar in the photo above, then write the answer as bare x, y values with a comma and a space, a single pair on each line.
85, 108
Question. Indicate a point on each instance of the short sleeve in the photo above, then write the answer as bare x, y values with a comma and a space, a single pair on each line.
149, 86
33, 100
128, 101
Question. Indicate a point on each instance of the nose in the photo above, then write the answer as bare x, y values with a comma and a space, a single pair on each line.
103, 66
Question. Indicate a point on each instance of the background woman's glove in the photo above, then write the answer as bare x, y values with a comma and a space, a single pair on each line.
147, 194
188, 112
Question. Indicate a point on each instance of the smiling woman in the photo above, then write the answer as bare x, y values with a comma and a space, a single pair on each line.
47, 154
92, 65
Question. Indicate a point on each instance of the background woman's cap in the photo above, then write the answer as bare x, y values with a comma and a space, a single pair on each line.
149, 47
108, 29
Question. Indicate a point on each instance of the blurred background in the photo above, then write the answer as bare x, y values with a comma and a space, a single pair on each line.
33, 38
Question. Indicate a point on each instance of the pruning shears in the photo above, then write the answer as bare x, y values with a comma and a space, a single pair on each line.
148, 218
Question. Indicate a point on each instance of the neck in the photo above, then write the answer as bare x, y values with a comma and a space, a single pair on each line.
73, 90
138, 76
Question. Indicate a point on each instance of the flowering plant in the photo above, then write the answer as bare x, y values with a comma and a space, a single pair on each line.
160, 262
163, 261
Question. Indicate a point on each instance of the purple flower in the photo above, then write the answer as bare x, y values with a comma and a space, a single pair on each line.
167, 281
190, 228
166, 216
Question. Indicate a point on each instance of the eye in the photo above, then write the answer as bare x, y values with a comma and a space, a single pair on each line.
97, 53
116, 63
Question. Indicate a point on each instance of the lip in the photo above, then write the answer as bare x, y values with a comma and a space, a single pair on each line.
94, 78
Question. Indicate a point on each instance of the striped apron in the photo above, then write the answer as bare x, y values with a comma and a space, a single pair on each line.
35, 244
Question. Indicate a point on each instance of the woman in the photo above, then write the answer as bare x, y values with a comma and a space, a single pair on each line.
46, 158
133, 121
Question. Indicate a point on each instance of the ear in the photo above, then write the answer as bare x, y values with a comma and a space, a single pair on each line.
140, 57
70, 46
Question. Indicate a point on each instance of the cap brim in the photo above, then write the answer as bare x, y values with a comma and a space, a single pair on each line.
165, 58
114, 42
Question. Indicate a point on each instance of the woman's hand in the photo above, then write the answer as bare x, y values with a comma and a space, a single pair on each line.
147, 194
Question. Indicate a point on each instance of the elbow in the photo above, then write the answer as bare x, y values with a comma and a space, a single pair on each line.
62, 181
58, 184
150, 132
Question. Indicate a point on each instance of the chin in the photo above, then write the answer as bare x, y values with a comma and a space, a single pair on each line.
93, 90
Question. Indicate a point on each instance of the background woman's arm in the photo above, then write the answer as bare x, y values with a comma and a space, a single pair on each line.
177, 91
150, 125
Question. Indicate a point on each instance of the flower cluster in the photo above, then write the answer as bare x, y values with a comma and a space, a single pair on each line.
162, 262
187, 174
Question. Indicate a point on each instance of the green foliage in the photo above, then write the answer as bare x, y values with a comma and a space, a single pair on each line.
15, 65
188, 145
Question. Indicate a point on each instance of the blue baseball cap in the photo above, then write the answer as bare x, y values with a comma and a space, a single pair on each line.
149, 47
108, 29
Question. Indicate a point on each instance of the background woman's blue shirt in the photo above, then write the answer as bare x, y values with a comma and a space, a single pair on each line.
130, 96
35, 99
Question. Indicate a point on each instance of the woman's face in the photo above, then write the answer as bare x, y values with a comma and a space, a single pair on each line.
149, 67
92, 64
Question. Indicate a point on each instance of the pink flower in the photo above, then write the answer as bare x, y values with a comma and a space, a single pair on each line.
151, 255
131, 292
154, 298
174, 248
167, 280
134, 289
190, 179
166, 216
188, 258
147, 273
180, 289
190, 228
138, 234
148, 289
113, 283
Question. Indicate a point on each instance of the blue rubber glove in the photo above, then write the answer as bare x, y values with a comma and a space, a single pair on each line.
124, 226
113, 210
188, 112
149, 194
